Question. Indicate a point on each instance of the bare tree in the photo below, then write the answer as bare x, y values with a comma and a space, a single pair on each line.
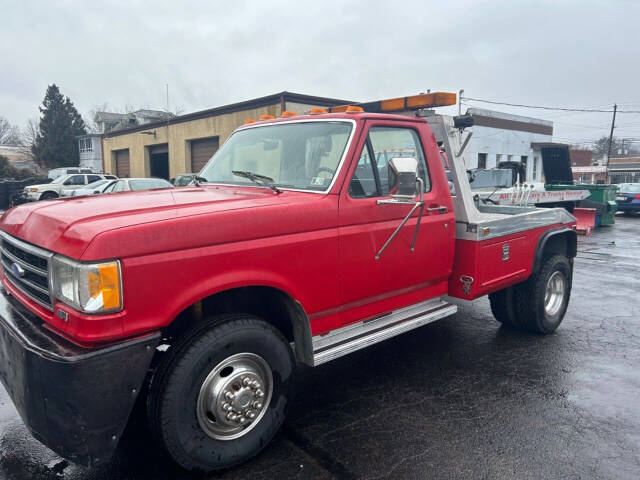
29, 135
9, 134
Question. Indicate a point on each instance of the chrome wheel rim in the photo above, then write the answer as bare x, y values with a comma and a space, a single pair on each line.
234, 396
554, 293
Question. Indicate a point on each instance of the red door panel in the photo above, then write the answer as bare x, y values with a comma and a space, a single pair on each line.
400, 277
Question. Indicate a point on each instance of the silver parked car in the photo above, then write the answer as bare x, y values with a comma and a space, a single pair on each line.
134, 184
93, 188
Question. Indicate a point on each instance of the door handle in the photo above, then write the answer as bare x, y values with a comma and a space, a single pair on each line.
439, 209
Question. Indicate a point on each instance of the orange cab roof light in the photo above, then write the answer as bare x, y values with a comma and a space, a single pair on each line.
339, 109
317, 111
413, 102
248, 121
288, 113
267, 117
354, 109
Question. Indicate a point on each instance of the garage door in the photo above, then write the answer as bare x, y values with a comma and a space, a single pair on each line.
123, 166
201, 151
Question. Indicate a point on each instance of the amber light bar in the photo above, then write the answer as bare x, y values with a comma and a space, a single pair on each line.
413, 102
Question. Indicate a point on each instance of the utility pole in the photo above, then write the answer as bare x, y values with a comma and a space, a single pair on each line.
460, 102
613, 123
167, 97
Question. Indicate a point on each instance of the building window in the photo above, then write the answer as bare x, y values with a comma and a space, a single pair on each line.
498, 159
482, 161
86, 145
534, 175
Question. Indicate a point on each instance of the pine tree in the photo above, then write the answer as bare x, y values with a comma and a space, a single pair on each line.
55, 144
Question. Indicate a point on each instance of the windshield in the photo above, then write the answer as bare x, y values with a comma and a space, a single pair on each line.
60, 179
302, 155
148, 183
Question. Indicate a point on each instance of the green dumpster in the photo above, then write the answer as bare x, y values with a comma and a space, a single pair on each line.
558, 176
602, 198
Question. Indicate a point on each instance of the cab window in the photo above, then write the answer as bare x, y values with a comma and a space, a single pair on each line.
372, 177
391, 142
363, 183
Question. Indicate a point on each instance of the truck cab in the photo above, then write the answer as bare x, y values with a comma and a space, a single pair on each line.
303, 239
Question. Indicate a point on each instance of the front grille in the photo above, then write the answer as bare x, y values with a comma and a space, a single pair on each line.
27, 267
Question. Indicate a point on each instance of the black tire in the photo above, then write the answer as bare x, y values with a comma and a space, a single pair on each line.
502, 306
176, 384
529, 297
48, 196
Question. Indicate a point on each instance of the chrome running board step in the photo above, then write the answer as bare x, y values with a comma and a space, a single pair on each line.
351, 338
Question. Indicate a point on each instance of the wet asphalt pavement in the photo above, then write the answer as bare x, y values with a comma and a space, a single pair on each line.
460, 398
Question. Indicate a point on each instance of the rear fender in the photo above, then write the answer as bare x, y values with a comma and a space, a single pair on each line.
562, 240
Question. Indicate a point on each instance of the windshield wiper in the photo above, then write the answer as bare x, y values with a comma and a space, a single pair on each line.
257, 178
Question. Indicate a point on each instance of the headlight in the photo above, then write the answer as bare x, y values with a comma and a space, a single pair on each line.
32, 189
89, 287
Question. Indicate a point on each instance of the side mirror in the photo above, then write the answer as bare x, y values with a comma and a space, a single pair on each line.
96, 192
405, 170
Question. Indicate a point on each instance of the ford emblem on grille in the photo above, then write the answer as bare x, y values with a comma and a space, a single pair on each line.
17, 270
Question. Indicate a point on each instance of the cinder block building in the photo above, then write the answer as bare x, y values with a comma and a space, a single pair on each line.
184, 143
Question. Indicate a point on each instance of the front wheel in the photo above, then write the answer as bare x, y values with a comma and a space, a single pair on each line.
48, 196
222, 393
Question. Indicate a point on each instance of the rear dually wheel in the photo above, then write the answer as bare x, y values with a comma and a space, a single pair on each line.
539, 303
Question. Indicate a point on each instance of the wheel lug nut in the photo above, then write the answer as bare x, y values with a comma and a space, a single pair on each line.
257, 405
227, 407
241, 420
251, 415
229, 396
259, 393
230, 416
246, 381
255, 384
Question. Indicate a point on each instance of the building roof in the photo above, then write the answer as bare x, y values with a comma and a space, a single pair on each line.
625, 160
236, 107
624, 166
507, 121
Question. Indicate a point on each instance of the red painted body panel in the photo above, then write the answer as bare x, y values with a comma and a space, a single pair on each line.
400, 277
483, 262
181, 245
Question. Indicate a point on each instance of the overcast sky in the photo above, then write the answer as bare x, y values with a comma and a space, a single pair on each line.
581, 54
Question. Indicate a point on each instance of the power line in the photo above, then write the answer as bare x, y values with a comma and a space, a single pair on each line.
588, 110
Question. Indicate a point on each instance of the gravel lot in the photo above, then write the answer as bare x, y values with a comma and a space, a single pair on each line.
460, 398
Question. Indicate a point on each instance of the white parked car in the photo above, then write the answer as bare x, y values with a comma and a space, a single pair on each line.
47, 191
58, 172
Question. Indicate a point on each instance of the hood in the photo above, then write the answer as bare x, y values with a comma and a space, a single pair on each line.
67, 226
43, 185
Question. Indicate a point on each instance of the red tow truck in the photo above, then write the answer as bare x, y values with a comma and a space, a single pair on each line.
303, 239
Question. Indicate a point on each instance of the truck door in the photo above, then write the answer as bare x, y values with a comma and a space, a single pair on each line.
400, 277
